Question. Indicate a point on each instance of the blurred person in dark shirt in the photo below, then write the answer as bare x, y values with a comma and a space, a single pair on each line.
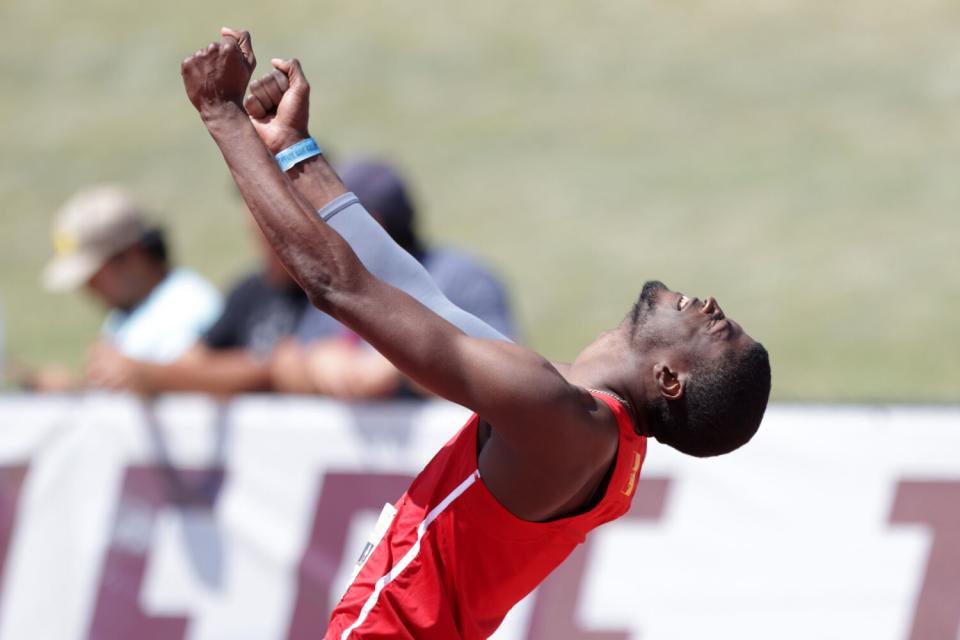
233, 356
329, 359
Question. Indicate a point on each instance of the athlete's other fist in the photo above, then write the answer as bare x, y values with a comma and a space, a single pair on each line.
279, 105
219, 74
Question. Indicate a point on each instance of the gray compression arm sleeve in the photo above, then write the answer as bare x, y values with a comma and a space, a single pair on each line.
385, 259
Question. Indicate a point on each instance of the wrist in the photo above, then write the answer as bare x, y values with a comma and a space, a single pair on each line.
297, 153
214, 112
285, 139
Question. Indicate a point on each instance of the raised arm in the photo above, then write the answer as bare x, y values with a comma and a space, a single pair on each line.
535, 412
425, 346
278, 105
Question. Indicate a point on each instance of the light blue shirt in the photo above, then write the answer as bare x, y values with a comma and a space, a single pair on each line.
171, 319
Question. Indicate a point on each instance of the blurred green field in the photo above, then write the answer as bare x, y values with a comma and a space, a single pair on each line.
795, 159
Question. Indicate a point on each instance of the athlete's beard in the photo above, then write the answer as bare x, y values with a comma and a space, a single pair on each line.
647, 301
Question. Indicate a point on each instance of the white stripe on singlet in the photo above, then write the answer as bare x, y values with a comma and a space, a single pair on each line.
408, 557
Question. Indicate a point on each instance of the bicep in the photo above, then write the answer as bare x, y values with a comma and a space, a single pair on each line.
474, 372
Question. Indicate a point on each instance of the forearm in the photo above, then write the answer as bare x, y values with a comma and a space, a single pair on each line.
384, 258
288, 368
218, 373
315, 180
314, 254
347, 371
419, 341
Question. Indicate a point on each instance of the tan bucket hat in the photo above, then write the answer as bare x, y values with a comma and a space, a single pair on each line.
93, 226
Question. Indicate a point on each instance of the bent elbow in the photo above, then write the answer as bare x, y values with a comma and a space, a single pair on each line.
318, 287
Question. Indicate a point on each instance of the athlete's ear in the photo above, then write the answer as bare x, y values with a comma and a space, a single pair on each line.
670, 384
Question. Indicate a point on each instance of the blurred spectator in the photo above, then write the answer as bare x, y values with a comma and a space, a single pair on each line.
332, 361
102, 242
232, 356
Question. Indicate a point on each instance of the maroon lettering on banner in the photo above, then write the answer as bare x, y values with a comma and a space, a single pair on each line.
937, 505
11, 481
554, 615
146, 491
341, 497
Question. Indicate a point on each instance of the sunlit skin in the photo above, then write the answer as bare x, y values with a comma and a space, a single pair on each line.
273, 269
717, 323
674, 335
548, 443
547, 440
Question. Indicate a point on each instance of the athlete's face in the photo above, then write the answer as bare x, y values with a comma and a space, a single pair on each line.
698, 327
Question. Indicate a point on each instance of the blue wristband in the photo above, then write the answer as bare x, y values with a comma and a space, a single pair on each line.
295, 154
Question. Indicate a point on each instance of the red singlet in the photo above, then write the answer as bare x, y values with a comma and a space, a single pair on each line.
454, 560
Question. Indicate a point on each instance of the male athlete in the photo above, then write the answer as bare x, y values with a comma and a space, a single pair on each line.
552, 451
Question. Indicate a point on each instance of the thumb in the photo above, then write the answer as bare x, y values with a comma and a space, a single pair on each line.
298, 81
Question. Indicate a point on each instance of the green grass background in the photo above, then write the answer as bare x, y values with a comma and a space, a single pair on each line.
797, 159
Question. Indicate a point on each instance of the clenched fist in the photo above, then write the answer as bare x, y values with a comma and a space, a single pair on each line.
279, 105
219, 74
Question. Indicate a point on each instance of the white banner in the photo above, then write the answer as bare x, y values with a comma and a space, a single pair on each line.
186, 519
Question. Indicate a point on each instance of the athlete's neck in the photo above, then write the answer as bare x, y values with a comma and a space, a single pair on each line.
609, 365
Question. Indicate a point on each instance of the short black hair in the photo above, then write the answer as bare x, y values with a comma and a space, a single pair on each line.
722, 405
